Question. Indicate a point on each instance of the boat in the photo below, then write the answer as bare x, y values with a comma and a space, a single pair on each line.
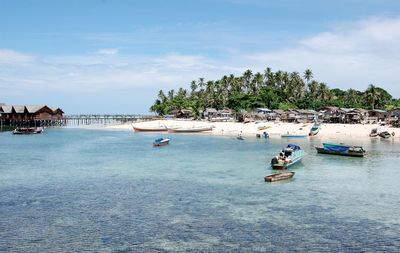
239, 137
149, 128
288, 157
28, 130
161, 142
278, 176
340, 149
315, 128
385, 135
190, 129
374, 133
288, 135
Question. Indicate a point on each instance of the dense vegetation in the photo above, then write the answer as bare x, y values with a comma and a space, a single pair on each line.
275, 90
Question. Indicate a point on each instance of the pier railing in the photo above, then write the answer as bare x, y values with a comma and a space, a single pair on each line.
89, 119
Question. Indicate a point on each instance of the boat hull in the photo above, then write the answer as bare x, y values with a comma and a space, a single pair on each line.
285, 166
279, 177
145, 129
188, 130
348, 153
293, 136
161, 143
30, 130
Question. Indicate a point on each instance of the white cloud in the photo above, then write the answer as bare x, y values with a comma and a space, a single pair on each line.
108, 51
10, 57
352, 55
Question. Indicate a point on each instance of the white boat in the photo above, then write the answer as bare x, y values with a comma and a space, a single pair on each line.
161, 142
190, 129
287, 157
28, 130
315, 128
149, 128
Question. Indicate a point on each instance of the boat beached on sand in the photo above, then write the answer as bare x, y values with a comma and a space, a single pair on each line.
315, 128
278, 176
28, 130
293, 135
287, 157
340, 149
160, 128
161, 142
189, 129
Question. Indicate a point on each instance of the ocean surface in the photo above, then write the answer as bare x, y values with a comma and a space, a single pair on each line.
78, 190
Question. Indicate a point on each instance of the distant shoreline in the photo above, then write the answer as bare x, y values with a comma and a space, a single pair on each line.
274, 129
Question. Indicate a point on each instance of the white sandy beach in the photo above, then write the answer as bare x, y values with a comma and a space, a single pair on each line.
274, 129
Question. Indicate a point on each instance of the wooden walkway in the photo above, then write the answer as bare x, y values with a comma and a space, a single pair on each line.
89, 119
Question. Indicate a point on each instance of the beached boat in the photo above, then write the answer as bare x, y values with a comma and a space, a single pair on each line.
374, 133
190, 129
288, 135
149, 128
287, 157
28, 130
339, 149
161, 142
315, 128
385, 135
278, 176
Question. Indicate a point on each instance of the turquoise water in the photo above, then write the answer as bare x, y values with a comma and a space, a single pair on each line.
74, 190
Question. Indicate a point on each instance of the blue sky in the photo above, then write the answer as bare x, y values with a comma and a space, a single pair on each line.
113, 56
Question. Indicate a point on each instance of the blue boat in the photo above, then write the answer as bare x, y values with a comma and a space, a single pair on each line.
288, 157
161, 142
340, 149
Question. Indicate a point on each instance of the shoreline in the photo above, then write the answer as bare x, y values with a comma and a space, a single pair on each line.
274, 129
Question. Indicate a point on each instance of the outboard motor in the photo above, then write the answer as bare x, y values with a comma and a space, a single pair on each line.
274, 161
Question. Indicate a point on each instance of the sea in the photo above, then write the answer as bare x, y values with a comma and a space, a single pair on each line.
101, 190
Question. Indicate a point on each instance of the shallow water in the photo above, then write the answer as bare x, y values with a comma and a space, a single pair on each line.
74, 190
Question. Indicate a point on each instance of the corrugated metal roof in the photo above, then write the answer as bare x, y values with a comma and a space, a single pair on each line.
19, 108
34, 108
7, 108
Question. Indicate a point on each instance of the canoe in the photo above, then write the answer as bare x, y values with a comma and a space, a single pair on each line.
314, 130
161, 142
190, 130
294, 135
289, 156
385, 135
341, 149
278, 176
342, 153
149, 129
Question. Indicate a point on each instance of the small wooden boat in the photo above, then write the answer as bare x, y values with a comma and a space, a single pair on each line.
293, 135
161, 142
343, 150
28, 130
374, 133
149, 129
385, 135
278, 176
190, 129
288, 157
315, 128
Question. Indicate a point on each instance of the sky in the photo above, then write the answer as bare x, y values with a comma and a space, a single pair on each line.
113, 56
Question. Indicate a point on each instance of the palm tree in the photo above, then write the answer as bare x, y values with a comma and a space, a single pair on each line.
371, 95
308, 75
